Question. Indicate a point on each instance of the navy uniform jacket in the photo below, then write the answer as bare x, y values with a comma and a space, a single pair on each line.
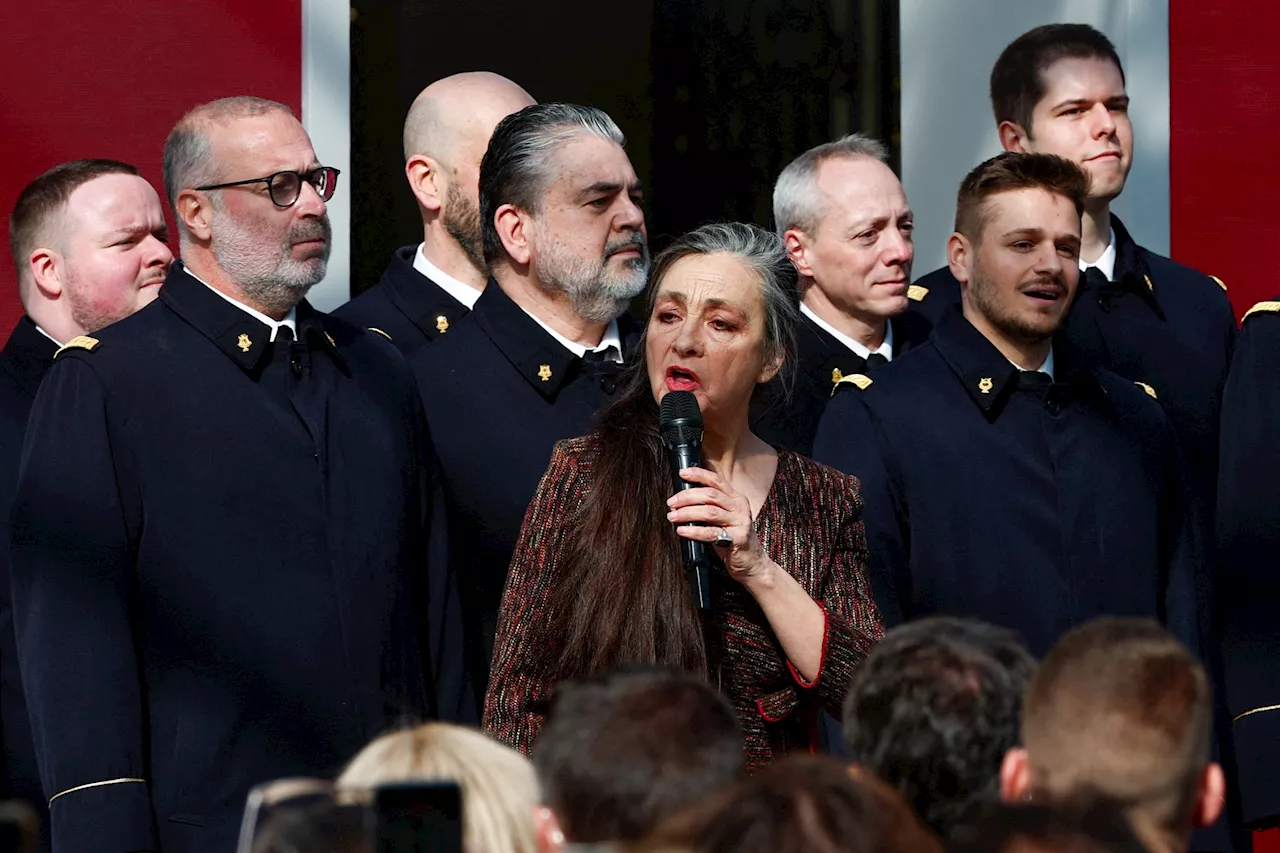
499, 392
405, 306
23, 363
1249, 551
1030, 509
216, 556
1164, 324
821, 362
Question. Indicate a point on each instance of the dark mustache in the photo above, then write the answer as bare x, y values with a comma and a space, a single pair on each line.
633, 242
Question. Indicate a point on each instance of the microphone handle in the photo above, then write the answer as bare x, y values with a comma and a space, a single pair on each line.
697, 563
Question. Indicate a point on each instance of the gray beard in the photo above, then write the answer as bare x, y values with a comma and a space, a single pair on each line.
269, 276
596, 295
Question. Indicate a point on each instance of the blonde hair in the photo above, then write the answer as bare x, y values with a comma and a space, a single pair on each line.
499, 789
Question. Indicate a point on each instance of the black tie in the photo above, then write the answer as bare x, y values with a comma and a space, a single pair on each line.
875, 361
284, 336
1034, 379
599, 364
1094, 278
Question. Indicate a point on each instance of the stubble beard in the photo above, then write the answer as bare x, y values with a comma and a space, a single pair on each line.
597, 295
461, 219
264, 270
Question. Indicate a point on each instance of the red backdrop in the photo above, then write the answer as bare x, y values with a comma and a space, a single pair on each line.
1224, 92
83, 78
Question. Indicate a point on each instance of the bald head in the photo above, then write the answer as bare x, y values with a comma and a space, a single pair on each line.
452, 117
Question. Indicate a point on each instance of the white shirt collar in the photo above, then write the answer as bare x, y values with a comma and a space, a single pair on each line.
1047, 367
885, 349
610, 338
1106, 263
47, 335
290, 319
464, 293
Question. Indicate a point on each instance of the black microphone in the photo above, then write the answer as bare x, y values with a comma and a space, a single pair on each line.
680, 425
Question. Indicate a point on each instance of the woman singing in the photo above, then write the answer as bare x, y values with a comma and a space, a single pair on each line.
597, 579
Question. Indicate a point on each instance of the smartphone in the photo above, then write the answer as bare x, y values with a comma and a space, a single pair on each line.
418, 817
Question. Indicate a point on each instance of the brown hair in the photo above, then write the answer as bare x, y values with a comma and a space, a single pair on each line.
1017, 79
1119, 707
623, 598
1015, 171
45, 198
800, 804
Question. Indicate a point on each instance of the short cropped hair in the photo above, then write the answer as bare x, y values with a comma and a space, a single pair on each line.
797, 203
932, 711
1017, 79
518, 166
1016, 171
1119, 706
499, 788
624, 750
799, 804
188, 155
1090, 825
43, 200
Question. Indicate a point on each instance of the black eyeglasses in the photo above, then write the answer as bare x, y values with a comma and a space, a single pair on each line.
285, 187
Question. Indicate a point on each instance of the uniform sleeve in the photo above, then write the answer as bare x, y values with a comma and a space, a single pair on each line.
853, 623
519, 673
849, 441
1249, 554
72, 558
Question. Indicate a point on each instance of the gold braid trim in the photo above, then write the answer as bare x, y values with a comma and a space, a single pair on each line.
120, 781
1255, 711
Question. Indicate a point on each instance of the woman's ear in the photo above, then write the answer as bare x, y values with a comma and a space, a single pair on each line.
770, 369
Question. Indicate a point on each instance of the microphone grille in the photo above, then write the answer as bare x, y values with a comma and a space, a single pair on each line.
679, 408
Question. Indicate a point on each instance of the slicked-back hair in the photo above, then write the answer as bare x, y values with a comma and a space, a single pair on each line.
44, 199
932, 711
1088, 824
622, 751
800, 804
1016, 171
519, 164
188, 153
1121, 707
797, 203
1017, 79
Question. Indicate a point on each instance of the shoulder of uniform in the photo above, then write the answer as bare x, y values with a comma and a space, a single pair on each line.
84, 342
1269, 307
858, 380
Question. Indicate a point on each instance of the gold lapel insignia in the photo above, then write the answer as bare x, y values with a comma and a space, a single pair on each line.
836, 376
244, 343
78, 342
985, 385
544, 373
916, 292
442, 324
1151, 392
1150, 286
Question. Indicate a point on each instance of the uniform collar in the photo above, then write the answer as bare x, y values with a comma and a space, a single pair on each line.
459, 290
1106, 263
1131, 273
826, 360
540, 358
28, 355
857, 348
241, 336
983, 370
424, 301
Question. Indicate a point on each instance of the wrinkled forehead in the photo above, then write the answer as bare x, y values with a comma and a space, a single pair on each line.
714, 280
256, 146
113, 201
586, 160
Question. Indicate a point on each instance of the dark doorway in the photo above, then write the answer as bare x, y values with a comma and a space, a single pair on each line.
715, 96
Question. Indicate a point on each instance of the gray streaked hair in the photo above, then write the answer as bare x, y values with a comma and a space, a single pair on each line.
765, 254
517, 167
797, 203
188, 154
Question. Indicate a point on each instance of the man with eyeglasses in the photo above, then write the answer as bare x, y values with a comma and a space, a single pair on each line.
218, 532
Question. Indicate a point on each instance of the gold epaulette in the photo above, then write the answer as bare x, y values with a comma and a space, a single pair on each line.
917, 292
378, 331
1151, 392
1261, 308
1220, 283
861, 380
121, 781
83, 342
